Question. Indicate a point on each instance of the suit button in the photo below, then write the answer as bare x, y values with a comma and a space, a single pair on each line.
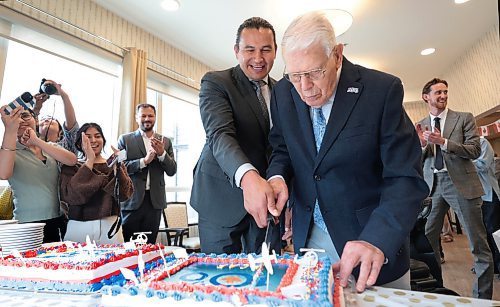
400, 251
308, 209
317, 177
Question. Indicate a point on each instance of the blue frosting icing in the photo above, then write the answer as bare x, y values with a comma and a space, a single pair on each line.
133, 290
319, 297
150, 293
177, 296
217, 297
161, 294
198, 296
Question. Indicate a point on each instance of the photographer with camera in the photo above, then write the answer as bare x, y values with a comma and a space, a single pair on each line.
33, 174
49, 128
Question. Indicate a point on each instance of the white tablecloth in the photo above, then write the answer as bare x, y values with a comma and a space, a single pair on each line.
375, 296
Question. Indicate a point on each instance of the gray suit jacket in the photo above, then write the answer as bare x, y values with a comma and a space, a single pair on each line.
236, 133
134, 145
463, 146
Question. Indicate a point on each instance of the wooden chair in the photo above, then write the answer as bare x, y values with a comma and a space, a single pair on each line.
177, 227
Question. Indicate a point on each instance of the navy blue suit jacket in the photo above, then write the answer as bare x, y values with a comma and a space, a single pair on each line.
367, 175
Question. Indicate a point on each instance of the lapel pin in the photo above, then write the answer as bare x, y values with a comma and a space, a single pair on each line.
353, 90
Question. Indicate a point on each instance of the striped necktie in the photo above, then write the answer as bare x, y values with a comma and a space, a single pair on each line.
263, 105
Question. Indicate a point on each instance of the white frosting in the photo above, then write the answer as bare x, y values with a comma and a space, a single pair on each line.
69, 275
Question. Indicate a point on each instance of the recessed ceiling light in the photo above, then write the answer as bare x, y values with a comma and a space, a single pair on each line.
460, 1
170, 5
427, 51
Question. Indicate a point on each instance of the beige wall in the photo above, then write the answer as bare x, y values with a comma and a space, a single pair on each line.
91, 17
473, 80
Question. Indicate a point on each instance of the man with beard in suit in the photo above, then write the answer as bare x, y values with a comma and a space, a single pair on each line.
450, 142
149, 157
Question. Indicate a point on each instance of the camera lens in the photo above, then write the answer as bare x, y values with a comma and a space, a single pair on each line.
49, 89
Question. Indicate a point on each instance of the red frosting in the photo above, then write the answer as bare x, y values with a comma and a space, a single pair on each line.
49, 265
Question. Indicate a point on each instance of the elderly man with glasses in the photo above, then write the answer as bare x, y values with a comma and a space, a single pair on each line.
349, 155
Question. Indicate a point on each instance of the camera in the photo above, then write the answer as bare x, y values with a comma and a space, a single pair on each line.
48, 88
25, 101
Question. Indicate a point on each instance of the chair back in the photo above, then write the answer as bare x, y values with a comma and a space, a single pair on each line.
176, 215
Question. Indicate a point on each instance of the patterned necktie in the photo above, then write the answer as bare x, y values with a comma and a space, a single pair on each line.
319, 127
263, 105
438, 162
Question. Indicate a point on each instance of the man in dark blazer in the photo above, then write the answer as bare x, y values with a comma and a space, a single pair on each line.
455, 182
236, 152
364, 175
149, 157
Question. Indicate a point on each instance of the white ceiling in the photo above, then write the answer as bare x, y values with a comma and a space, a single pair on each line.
386, 34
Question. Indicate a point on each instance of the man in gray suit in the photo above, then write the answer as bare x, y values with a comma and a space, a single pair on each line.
149, 156
234, 107
450, 141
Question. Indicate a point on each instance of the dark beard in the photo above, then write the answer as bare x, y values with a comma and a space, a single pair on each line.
143, 128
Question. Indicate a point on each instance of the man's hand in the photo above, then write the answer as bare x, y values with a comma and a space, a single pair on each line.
434, 137
258, 196
149, 156
420, 133
280, 191
367, 256
158, 146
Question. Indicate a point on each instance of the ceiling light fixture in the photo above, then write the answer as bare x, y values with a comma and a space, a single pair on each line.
460, 1
341, 20
427, 51
170, 5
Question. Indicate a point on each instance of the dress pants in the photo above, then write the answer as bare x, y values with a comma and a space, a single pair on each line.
54, 229
245, 237
146, 218
445, 194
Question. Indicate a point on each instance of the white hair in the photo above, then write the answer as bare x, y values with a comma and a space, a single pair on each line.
307, 30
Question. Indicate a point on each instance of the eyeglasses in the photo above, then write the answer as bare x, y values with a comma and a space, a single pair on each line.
313, 75
26, 116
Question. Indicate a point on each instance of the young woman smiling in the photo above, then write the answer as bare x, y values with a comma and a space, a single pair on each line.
90, 190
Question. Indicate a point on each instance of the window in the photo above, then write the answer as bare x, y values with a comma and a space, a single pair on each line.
182, 124
92, 92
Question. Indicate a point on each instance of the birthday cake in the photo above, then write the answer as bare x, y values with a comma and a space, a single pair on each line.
230, 280
72, 267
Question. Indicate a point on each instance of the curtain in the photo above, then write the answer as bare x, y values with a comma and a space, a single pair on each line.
133, 88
